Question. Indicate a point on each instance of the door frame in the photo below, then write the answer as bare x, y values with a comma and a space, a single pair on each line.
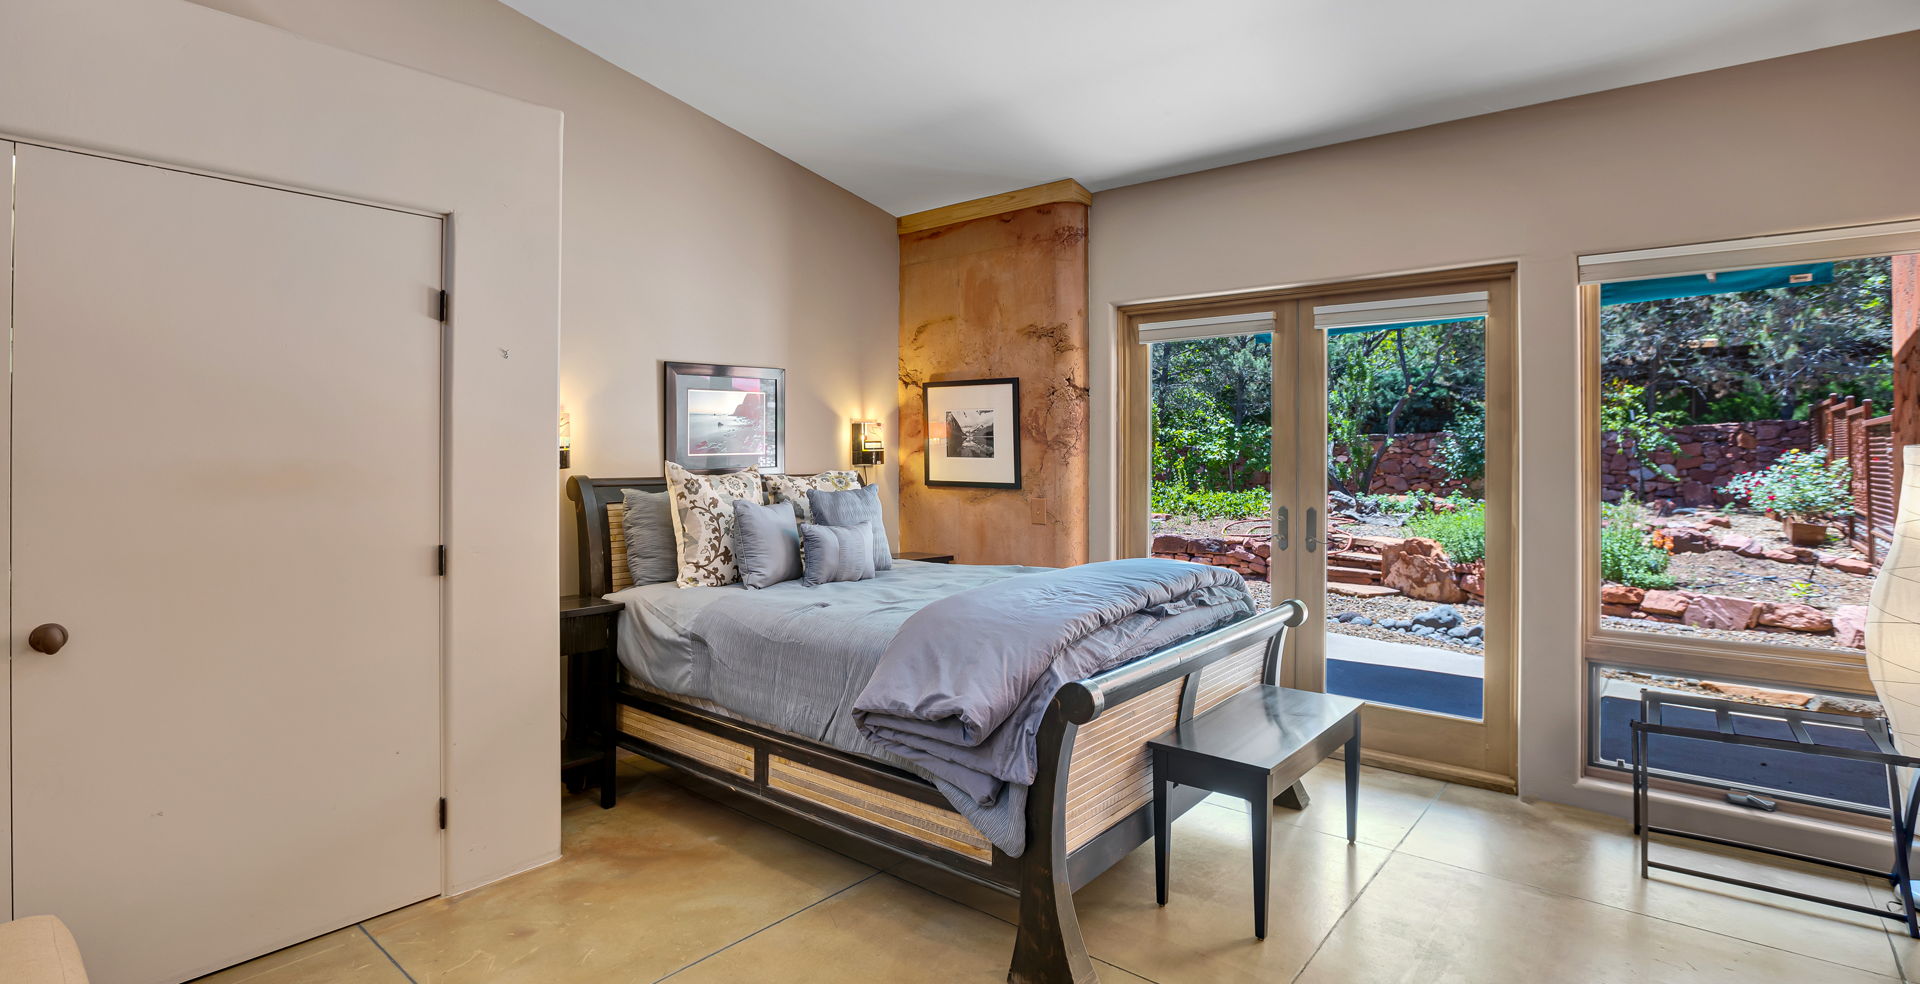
1494, 763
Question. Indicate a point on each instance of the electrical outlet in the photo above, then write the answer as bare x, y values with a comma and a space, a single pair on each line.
1037, 510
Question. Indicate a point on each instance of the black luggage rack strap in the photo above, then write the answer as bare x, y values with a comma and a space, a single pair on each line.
1653, 705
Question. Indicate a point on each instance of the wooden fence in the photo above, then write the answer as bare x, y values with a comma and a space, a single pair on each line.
1850, 431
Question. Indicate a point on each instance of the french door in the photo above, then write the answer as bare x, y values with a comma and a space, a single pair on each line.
1393, 481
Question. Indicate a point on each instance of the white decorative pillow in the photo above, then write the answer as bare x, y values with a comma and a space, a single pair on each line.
794, 488
703, 522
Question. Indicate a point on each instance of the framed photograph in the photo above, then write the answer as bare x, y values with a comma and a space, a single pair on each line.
725, 417
973, 434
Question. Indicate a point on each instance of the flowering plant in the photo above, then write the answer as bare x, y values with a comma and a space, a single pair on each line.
1801, 485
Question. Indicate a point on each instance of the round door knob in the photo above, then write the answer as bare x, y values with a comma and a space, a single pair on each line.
47, 638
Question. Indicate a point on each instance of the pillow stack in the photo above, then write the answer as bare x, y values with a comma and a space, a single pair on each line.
753, 529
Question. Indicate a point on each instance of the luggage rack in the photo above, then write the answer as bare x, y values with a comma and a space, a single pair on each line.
1653, 705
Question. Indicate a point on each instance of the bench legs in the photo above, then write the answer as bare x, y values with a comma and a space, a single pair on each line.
1353, 780
1294, 797
1261, 809
1162, 841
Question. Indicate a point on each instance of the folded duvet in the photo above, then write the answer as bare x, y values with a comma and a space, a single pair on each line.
961, 689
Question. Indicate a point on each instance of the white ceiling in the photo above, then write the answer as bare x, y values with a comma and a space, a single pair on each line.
913, 104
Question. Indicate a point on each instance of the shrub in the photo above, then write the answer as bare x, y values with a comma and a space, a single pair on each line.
1179, 500
1625, 557
1462, 532
1463, 452
1802, 485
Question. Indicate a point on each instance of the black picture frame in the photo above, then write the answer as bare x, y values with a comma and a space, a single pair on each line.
695, 430
1001, 443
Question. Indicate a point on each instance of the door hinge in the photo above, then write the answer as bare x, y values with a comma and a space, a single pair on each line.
440, 562
443, 813
445, 306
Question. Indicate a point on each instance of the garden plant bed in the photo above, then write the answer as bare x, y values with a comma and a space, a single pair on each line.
1736, 577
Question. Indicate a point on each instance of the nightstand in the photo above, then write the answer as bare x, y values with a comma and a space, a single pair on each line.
924, 557
587, 627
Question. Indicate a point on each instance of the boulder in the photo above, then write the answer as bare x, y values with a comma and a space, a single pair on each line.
1207, 545
1720, 521
1621, 594
1621, 611
1419, 569
1856, 706
1664, 603
1263, 550
1850, 626
1781, 556
1794, 616
1682, 539
1719, 612
1170, 543
1438, 617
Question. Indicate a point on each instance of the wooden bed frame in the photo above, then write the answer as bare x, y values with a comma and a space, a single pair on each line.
1091, 801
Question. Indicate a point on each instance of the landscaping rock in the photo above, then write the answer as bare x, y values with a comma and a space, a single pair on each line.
1720, 521
1682, 539
1846, 705
1781, 556
1847, 565
1719, 612
1797, 617
1775, 698
1623, 611
1170, 543
1621, 594
1734, 542
1438, 617
1419, 569
1664, 603
1850, 626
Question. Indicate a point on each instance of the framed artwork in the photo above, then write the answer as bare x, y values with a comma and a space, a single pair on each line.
973, 434
725, 417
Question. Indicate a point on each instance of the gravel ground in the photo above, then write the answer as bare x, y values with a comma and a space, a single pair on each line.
1379, 608
1804, 639
1757, 579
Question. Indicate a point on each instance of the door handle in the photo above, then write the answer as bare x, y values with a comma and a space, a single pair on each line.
1313, 529
48, 638
1280, 528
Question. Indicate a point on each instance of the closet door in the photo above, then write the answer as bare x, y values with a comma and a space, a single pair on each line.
226, 448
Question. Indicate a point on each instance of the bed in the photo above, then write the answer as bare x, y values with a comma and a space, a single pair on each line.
1089, 806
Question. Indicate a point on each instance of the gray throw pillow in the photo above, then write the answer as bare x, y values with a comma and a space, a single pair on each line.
648, 530
766, 545
861, 505
837, 553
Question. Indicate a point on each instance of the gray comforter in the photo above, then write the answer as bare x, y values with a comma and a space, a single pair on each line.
962, 687
795, 658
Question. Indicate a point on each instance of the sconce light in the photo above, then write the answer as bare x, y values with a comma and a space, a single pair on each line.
869, 446
566, 439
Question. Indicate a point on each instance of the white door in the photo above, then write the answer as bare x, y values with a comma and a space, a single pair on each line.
226, 462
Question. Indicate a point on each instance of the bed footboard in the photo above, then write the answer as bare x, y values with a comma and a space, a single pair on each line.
1091, 802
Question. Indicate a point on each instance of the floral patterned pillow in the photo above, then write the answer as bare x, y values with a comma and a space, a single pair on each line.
794, 488
703, 522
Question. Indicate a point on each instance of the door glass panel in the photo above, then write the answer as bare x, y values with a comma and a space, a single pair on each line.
1212, 413
1405, 526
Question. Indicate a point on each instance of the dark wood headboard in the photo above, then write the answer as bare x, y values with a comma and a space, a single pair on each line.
590, 498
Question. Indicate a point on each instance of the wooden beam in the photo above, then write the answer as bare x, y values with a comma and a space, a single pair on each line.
1063, 190
1906, 358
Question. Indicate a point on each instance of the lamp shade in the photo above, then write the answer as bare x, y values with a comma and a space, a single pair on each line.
1893, 615
566, 438
869, 443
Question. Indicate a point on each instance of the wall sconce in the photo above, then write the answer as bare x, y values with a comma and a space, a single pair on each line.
869, 445
566, 439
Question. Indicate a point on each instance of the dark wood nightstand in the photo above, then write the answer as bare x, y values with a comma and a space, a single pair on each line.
587, 627
925, 557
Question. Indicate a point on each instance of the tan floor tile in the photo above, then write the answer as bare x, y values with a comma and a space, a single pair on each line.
880, 930
652, 885
1390, 802
1906, 950
1424, 922
1593, 856
346, 956
1205, 932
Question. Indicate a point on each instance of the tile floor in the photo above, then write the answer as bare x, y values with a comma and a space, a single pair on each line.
1447, 884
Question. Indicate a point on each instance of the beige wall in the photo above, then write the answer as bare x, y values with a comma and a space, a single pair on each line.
176, 83
1813, 140
682, 240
